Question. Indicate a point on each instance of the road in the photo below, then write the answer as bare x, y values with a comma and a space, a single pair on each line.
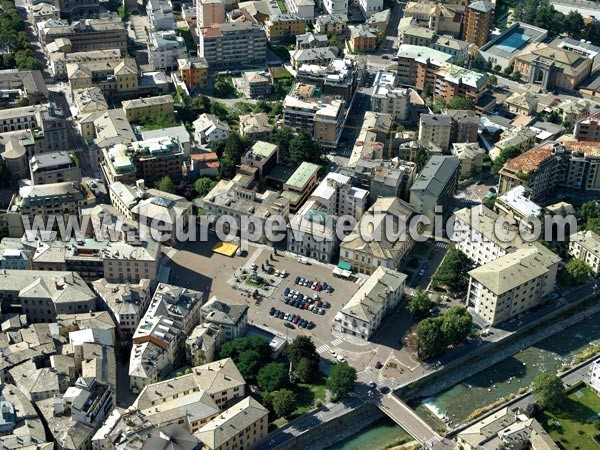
392, 29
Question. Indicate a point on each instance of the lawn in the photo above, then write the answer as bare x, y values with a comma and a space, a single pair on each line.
576, 424
307, 396
281, 6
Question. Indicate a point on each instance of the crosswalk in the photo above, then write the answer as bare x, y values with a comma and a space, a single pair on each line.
336, 342
322, 349
359, 281
441, 244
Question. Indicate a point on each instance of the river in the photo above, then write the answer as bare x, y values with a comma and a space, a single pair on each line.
518, 371
379, 435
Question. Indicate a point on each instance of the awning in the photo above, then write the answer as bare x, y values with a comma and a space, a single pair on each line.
344, 265
225, 248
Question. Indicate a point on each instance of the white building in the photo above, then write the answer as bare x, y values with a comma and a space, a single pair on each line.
370, 7
164, 49
336, 6
305, 9
585, 245
389, 99
339, 197
160, 14
595, 377
231, 316
209, 129
516, 203
371, 304
512, 284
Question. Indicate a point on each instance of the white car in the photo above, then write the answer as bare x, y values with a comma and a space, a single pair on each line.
303, 260
340, 358
333, 353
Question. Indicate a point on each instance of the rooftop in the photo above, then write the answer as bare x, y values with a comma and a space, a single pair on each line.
302, 175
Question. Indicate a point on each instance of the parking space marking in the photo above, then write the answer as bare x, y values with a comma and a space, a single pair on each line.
337, 341
322, 349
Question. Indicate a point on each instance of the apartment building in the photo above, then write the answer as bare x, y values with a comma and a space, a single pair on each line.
374, 301
524, 104
256, 126
160, 15
465, 125
479, 21
370, 7
87, 34
241, 426
255, 84
193, 71
63, 292
339, 77
520, 137
388, 218
149, 160
587, 130
435, 186
436, 128
148, 107
159, 338
362, 38
117, 262
319, 56
300, 184
55, 167
471, 157
209, 13
438, 17
89, 100
339, 198
305, 9
126, 303
513, 283
312, 232
90, 400
230, 316
233, 45
321, 117
209, 129
165, 48
262, 155
331, 24
516, 203
389, 99
60, 60
311, 40
281, 26
585, 245
419, 66
202, 345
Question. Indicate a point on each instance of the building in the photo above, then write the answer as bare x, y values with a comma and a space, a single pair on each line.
255, 84
438, 17
388, 218
471, 157
319, 56
420, 66
178, 132
585, 245
321, 117
435, 186
436, 128
339, 198
233, 45
231, 316
209, 13
595, 377
60, 60
465, 125
552, 68
520, 137
311, 40
209, 129
312, 232
587, 130
516, 203
300, 184
160, 15
524, 104
165, 48
193, 71
204, 165
339, 77
203, 344
87, 34
256, 126
362, 38
370, 7
374, 301
41, 295
243, 425
89, 100
502, 49
378, 20
261, 155
389, 99
55, 167
90, 401
512, 284
305, 9
126, 303
25, 426
281, 26
331, 24
479, 20
147, 107
149, 160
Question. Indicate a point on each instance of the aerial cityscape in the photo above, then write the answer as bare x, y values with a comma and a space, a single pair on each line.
299, 224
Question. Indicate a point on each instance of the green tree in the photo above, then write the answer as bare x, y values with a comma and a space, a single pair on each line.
303, 348
283, 137
283, 402
248, 363
304, 148
593, 225
341, 380
439, 104
204, 185
234, 348
419, 303
305, 370
421, 158
548, 390
577, 272
507, 70
590, 210
497, 68
573, 24
165, 184
273, 377
516, 75
456, 325
452, 272
459, 102
430, 337
427, 91
492, 81
219, 110
505, 156
224, 89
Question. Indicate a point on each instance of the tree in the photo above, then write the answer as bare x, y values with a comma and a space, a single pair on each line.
497, 68
456, 325
224, 89
516, 75
273, 377
301, 348
283, 402
430, 337
421, 158
419, 303
282, 138
439, 104
204, 185
248, 363
590, 210
165, 184
234, 348
548, 390
427, 91
452, 272
507, 70
219, 110
459, 102
304, 148
577, 272
505, 156
591, 224
305, 370
341, 380
534, 411
573, 24
492, 81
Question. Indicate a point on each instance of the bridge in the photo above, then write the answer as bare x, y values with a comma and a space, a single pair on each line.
408, 419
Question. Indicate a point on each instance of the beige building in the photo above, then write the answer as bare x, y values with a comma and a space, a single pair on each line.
281, 26
524, 104
87, 34
436, 128
388, 246
209, 12
193, 72
203, 344
256, 126
438, 17
374, 301
60, 60
241, 426
300, 184
147, 107
470, 156
585, 245
512, 284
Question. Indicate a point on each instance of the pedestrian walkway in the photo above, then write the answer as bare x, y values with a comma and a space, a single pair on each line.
322, 348
336, 342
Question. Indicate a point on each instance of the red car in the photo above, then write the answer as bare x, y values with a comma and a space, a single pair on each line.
319, 303
296, 319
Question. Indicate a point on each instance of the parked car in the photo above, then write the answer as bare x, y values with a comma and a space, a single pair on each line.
303, 260
321, 311
310, 325
296, 319
287, 316
297, 280
289, 325
340, 358
277, 273
286, 291
304, 324
283, 273
326, 305
372, 385
384, 389
292, 317
378, 365
332, 353
272, 311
